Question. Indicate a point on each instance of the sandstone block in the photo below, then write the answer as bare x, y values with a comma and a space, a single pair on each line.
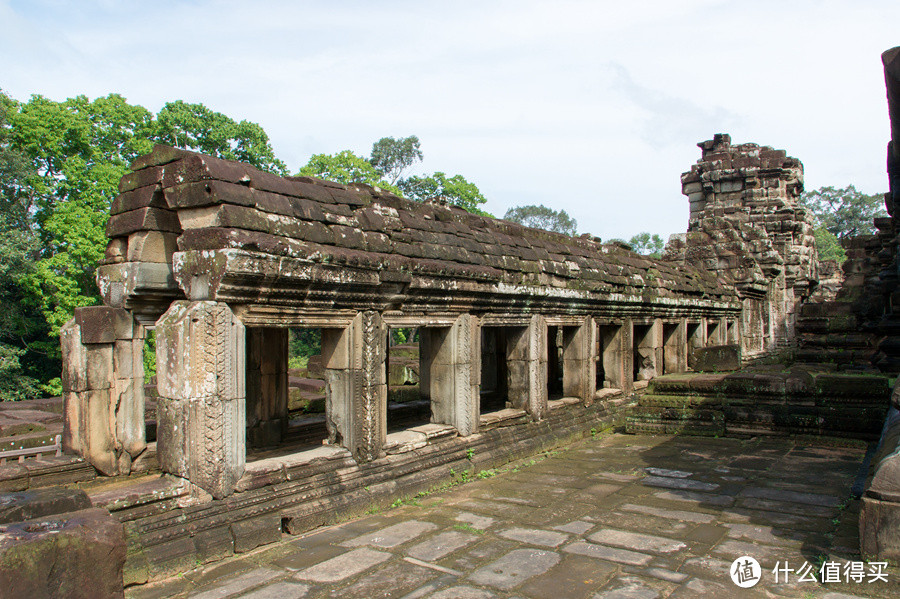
38, 503
152, 246
715, 358
75, 555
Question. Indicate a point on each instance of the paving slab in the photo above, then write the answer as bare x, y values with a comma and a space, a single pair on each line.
636, 541
515, 568
613, 517
343, 566
393, 535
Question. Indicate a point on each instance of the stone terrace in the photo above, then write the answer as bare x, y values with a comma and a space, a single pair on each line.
610, 516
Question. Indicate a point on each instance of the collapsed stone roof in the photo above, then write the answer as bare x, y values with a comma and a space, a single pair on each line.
238, 234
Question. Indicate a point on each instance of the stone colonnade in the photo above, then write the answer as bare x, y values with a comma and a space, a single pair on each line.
222, 384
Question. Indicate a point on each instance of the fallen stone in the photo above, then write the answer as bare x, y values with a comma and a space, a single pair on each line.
75, 555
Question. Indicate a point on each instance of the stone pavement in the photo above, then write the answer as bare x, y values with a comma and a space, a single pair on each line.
615, 516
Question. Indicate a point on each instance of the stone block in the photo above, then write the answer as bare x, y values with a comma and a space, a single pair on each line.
253, 533
715, 358
152, 246
214, 544
200, 352
38, 503
103, 324
75, 555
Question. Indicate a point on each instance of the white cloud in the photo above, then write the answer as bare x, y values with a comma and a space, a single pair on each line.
594, 107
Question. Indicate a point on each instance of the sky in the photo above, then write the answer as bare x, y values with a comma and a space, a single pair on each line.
592, 107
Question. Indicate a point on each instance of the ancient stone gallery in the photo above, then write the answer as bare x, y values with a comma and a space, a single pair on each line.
523, 340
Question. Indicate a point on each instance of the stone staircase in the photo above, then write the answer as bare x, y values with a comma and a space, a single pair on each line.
763, 401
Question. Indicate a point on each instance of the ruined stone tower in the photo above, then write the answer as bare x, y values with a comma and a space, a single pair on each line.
747, 226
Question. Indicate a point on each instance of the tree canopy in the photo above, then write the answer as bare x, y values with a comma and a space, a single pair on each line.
542, 217
844, 212
60, 165
645, 243
390, 158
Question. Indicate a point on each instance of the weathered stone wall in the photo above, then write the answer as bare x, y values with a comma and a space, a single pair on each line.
747, 227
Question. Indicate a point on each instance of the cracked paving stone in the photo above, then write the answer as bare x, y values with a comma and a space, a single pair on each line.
515, 568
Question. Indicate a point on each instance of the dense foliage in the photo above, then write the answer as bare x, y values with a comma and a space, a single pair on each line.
60, 165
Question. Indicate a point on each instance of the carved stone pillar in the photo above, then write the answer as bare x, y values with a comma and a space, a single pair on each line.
675, 347
267, 385
356, 385
579, 373
200, 362
454, 366
527, 367
103, 387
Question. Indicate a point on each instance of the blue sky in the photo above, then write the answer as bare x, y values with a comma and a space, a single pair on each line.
592, 107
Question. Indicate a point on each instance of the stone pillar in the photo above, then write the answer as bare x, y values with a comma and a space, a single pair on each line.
612, 354
200, 366
627, 340
579, 374
527, 367
650, 351
696, 335
454, 370
675, 348
356, 385
267, 385
103, 387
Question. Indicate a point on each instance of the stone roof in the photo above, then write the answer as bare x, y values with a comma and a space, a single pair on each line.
214, 206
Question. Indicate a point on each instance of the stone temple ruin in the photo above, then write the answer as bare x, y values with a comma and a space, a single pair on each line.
526, 338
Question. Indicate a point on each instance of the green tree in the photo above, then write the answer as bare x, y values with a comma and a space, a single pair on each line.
844, 212
647, 244
828, 246
345, 168
542, 217
196, 127
455, 190
391, 157
19, 322
59, 170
